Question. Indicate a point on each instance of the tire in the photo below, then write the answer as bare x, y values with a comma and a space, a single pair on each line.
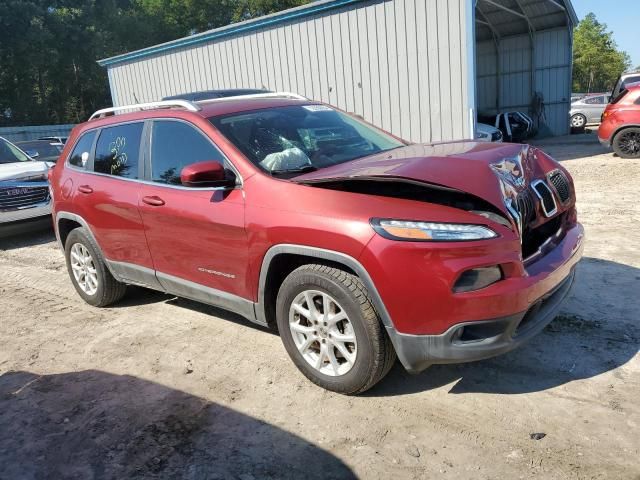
366, 360
106, 289
578, 121
626, 143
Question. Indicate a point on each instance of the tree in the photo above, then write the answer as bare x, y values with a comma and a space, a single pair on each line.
49, 48
597, 62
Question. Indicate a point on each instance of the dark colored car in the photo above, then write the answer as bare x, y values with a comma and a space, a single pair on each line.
355, 245
620, 126
43, 150
61, 140
211, 94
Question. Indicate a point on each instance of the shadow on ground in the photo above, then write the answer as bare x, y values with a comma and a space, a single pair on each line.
596, 332
29, 234
93, 424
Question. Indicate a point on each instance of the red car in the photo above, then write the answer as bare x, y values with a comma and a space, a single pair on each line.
355, 245
620, 126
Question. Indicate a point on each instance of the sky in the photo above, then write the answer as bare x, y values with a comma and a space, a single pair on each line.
622, 18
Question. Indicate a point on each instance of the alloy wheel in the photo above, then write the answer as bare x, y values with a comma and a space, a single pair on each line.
577, 121
629, 143
323, 333
84, 269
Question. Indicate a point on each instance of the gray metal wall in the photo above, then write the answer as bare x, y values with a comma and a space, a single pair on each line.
504, 80
404, 65
18, 134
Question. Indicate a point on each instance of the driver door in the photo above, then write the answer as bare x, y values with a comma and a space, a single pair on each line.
196, 236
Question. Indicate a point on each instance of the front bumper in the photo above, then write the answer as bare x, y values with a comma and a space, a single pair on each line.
471, 341
42, 209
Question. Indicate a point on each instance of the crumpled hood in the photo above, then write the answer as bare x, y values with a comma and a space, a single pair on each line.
491, 171
18, 171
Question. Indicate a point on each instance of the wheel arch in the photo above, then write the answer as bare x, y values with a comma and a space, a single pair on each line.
280, 260
621, 128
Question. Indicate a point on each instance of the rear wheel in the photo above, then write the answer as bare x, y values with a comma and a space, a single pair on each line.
331, 331
578, 121
626, 143
89, 274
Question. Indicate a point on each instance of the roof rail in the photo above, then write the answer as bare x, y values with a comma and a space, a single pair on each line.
256, 95
144, 106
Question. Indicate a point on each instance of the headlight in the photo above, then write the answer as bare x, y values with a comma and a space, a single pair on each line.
430, 231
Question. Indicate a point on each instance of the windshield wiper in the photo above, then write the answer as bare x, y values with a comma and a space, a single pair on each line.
305, 169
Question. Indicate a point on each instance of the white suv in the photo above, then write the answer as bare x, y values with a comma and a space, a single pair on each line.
24, 188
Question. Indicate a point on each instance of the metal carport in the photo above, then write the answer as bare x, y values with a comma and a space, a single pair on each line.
523, 59
418, 68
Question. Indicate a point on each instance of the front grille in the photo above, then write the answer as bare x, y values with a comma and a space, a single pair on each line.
526, 207
20, 196
561, 185
533, 238
545, 195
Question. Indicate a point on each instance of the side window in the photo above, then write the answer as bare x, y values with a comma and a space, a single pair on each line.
174, 145
630, 80
118, 149
594, 100
82, 151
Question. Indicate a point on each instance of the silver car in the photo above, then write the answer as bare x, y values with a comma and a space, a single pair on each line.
24, 188
588, 110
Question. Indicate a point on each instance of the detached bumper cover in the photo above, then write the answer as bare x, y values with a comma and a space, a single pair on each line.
417, 352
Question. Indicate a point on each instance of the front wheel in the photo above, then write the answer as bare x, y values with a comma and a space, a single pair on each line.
331, 331
626, 143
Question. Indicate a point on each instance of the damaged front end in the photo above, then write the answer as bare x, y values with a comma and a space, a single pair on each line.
535, 205
540, 205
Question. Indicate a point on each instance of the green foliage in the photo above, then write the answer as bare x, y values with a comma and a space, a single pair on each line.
597, 62
49, 48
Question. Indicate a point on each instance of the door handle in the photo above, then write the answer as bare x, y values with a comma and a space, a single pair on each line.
153, 201
85, 189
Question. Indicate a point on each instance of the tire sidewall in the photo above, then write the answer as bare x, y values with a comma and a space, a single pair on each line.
298, 282
584, 121
79, 236
616, 144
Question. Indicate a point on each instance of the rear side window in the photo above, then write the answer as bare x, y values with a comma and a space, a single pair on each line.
629, 80
595, 100
82, 151
118, 150
174, 145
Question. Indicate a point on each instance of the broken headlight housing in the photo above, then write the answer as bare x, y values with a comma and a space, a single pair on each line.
416, 231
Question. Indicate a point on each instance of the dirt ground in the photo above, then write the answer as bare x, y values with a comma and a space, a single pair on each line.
167, 388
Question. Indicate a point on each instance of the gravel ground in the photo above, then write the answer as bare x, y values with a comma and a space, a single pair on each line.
164, 387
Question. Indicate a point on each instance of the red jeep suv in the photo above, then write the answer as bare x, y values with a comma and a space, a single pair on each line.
355, 245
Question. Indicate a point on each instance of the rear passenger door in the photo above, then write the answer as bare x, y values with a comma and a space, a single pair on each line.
196, 235
106, 190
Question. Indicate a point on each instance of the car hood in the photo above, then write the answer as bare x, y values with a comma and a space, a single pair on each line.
494, 172
19, 171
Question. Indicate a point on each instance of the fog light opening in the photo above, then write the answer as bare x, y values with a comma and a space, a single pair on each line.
477, 278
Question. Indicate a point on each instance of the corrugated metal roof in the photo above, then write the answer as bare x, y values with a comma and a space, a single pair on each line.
504, 18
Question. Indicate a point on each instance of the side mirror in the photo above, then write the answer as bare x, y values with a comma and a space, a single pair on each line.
32, 153
206, 174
